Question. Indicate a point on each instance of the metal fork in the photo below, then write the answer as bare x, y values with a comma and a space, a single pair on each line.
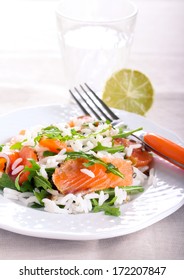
92, 105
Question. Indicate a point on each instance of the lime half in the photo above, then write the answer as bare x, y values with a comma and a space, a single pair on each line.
129, 90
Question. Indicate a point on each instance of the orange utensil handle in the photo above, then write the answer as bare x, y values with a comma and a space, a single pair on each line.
173, 152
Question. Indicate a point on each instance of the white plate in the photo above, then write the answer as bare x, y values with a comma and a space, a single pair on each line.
164, 197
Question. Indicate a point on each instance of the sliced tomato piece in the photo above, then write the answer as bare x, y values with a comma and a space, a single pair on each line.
140, 158
13, 158
26, 153
2, 164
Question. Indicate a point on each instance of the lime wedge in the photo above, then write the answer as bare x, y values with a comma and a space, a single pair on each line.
129, 90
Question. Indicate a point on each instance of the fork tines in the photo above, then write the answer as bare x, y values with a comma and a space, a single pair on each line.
91, 104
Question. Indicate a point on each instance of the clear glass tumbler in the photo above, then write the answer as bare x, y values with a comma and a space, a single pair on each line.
95, 39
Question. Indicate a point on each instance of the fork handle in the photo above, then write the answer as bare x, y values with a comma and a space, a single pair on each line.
170, 150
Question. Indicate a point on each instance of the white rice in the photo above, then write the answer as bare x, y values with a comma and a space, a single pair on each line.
25, 194
151, 177
16, 163
139, 178
43, 172
62, 200
52, 161
28, 201
76, 145
91, 195
121, 196
27, 198
11, 194
50, 206
53, 192
81, 203
102, 198
89, 205
17, 170
144, 168
89, 146
87, 172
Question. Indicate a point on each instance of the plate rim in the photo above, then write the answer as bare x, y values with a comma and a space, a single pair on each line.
90, 236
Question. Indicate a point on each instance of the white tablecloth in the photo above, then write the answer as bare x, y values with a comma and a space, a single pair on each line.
31, 73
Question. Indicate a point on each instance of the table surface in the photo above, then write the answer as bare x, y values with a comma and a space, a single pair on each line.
31, 73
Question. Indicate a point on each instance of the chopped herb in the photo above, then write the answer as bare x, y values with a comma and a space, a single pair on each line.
6, 182
120, 130
75, 132
129, 189
48, 153
35, 179
132, 189
39, 182
17, 180
1, 147
18, 145
87, 164
27, 187
50, 171
37, 138
122, 127
100, 132
111, 150
94, 202
36, 205
92, 160
33, 170
107, 208
126, 134
61, 206
81, 136
52, 132
42, 182
110, 167
34, 167
40, 195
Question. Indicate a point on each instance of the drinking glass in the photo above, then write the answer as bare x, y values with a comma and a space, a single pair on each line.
95, 38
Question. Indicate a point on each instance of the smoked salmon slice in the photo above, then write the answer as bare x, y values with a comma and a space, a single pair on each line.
69, 178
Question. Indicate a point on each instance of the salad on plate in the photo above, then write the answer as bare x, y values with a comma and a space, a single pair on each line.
84, 165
